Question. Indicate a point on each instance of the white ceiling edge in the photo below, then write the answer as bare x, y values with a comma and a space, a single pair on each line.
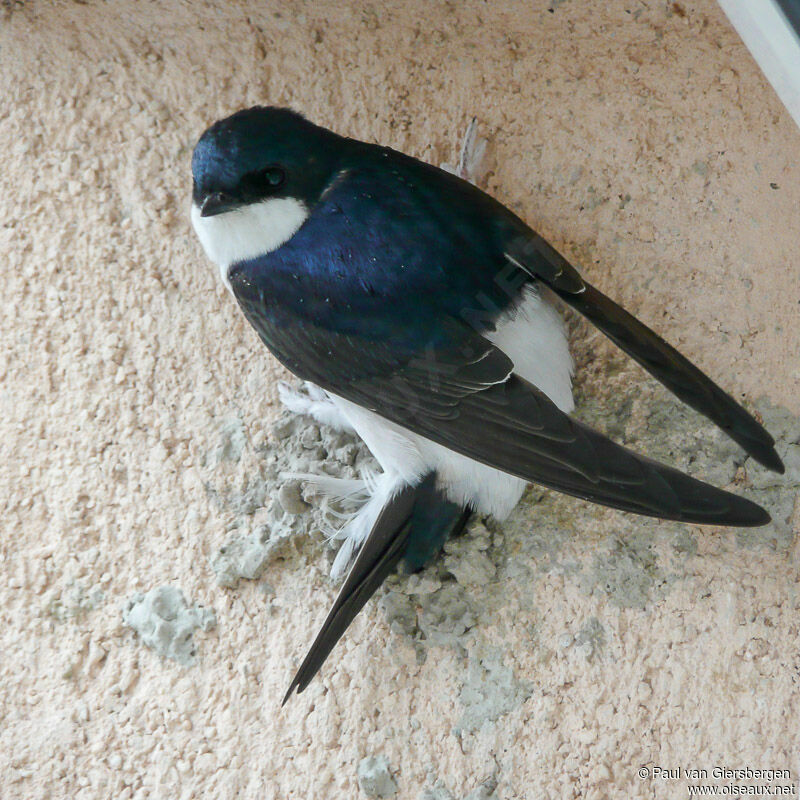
773, 43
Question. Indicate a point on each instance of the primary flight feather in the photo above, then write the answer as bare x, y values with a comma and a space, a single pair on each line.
419, 310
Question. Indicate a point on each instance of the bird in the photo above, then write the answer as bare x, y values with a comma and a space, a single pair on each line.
423, 315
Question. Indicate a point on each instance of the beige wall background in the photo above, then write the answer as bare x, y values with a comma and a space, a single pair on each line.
641, 139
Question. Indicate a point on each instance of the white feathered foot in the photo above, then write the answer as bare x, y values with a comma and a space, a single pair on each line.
360, 498
313, 402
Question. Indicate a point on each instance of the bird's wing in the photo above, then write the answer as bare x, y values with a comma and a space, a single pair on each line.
481, 233
533, 254
459, 390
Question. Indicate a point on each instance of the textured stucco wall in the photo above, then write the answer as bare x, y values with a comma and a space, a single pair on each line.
136, 408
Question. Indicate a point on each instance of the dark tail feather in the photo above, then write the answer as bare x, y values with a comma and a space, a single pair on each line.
433, 521
378, 556
676, 372
414, 524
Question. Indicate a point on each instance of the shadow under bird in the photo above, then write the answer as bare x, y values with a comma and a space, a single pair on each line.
420, 310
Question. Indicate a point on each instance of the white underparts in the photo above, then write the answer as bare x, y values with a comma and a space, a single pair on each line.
533, 337
248, 231
381, 489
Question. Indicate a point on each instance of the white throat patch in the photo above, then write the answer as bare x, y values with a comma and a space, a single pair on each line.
249, 231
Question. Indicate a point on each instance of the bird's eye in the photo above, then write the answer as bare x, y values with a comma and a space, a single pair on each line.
261, 182
272, 177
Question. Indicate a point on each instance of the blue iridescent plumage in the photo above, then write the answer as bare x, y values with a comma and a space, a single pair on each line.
379, 266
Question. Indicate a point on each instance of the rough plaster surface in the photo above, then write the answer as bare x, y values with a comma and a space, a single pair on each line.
552, 657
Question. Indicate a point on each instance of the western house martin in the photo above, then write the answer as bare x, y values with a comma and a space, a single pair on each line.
422, 314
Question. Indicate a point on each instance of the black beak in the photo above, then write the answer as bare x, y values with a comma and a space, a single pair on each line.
218, 203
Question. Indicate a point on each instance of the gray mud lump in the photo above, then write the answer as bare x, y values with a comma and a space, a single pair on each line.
166, 623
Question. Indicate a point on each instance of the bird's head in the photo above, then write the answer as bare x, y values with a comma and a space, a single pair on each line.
256, 175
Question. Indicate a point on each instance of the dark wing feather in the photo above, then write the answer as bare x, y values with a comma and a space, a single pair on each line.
514, 427
677, 373
659, 358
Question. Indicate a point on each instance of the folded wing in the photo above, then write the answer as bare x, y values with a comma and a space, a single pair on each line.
462, 393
